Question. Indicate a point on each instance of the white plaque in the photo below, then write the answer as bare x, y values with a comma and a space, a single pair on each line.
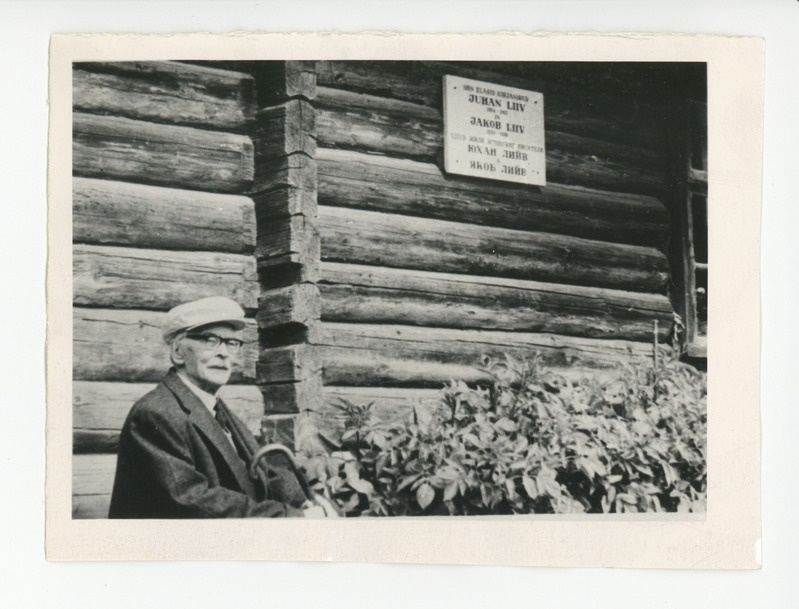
493, 131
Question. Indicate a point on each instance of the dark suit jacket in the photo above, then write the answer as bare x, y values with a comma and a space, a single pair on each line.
175, 461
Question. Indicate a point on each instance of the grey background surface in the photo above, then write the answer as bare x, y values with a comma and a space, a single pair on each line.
29, 581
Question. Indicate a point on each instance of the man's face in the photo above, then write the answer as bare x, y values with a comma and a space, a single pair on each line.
208, 368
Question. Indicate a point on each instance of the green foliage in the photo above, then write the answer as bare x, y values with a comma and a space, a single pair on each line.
534, 442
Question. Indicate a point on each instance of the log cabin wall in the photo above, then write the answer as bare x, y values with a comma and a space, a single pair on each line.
385, 278
313, 194
161, 156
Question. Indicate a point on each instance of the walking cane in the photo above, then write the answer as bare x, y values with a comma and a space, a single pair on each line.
268, 449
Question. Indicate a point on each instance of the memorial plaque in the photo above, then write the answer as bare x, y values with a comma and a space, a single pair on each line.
493, 131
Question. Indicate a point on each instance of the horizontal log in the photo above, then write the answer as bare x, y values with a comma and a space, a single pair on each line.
620, 153
289, 241
391, 402
99, 409
121, 213
166, 92
117, 148
569, 109
93, 474
103, 405
594, 169
288, 364
292, 397
286, 187
649, 79
90, 506
380, 125
393, 113
286, 202
378, 183
377, 124
393, 355
355, 293
565, 350
319, 431
285, 270
413, 81
385, 109
95, 441
92, 483
232, 65
134, 278
365, 237
294, 171
391, 405
282, 80
281, 236
375, 355
296, 304
126, 345
284, 129
302, 397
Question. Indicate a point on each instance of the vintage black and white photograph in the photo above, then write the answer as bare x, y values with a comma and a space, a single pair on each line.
371, 288
359, 298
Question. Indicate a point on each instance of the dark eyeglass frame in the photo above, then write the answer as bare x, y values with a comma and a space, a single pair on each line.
213, 341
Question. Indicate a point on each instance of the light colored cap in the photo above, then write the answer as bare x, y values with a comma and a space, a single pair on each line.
211, 310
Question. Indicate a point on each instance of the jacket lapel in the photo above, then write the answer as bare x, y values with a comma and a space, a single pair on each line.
203, 420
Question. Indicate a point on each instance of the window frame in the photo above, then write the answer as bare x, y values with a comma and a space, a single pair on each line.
692, 180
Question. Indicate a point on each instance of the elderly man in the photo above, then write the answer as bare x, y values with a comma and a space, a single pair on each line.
182, 452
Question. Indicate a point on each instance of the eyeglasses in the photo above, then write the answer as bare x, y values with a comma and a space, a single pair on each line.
212, 341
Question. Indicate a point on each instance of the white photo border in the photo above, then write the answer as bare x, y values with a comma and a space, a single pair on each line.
727, 536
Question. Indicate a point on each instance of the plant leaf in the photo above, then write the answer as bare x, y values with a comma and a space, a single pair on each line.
451, 491
406, 482
470, 437
510, 486
425, 495
505, 424
362, 486
529, 487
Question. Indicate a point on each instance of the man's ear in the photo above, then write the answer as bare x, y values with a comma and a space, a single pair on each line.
176, 352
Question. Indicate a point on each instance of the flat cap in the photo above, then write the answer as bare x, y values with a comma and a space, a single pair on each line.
211, 310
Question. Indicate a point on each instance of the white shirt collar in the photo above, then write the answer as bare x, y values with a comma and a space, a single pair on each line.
206, 398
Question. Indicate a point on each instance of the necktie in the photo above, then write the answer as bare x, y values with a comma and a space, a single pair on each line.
221, 418
219, 415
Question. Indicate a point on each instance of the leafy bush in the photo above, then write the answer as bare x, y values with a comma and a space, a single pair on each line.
534, 442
